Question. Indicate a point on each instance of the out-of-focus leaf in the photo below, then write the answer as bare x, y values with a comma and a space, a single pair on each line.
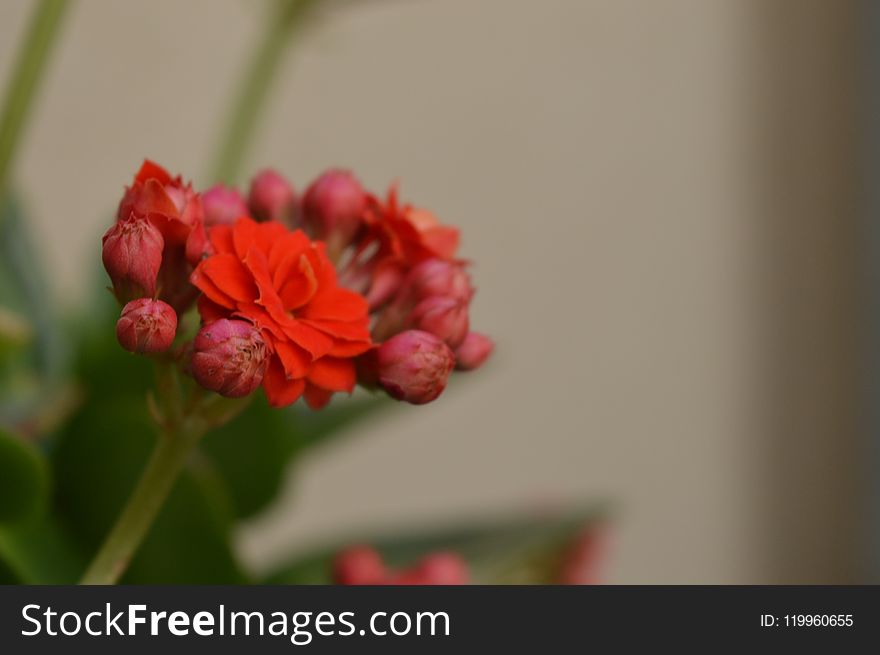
253, 451
24, 479
24, 287
101, 365
97, 461
15, 331
519, 550
39, 552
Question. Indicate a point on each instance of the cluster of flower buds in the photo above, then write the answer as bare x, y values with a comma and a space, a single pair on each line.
305, 296
149, 253
363, 565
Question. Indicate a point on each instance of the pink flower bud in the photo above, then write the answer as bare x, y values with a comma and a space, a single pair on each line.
132, 255
223, 205
443, 317
413, 366
583, 559
333, 207
358, 565
473, 351
438, 277
386, 282
229, 357
146, 326
271, 197
442, 568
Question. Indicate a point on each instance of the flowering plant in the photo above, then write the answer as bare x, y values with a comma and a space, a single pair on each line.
250, 327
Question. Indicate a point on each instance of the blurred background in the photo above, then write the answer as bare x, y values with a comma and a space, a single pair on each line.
664, 208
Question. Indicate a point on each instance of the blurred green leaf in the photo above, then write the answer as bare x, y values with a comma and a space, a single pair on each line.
253, 451
24, 479
24, 288
15, 331
97, 460
39, 552
517, 550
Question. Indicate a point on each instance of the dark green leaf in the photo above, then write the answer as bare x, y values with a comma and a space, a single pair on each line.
97, 461
39, 552
521, 550
253, 451
24, 479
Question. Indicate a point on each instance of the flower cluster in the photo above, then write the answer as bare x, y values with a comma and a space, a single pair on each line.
305, 295
363, 565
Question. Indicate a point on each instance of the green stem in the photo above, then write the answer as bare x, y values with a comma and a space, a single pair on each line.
178, 436
255, 86
172, 451
27, 72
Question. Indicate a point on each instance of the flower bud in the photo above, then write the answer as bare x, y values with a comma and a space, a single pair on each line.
146, 326
582, 561
473, 351
442, 568
443, 317
229, 357
438, 277
271, 197
358, 565
223, 205
386, 282
413, 366
132, 255
333, 208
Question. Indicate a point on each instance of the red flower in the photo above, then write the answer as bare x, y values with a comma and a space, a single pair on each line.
398, 238
172, 206
286, 286
175, 209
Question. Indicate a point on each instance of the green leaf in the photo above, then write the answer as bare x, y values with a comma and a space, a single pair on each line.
39, 552
24, 287
97, 461
24, 479
253, 451
516, 550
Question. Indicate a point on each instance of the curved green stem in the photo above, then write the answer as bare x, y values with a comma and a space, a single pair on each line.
27, 72
171, 453
179, 433
255, 86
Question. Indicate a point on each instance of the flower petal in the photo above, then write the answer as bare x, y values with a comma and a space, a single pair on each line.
333, 374
280, 391
336, 304
152, 170
316, 398
349, 348
306, 336
231, 277
352, 331
204, 284
287, 248
221, 238
300, 285
295, 360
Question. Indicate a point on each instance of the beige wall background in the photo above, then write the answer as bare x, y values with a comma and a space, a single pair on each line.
671, 336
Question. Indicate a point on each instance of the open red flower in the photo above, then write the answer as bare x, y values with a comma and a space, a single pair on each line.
286, 286
169, 204
398, 237
176, 211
